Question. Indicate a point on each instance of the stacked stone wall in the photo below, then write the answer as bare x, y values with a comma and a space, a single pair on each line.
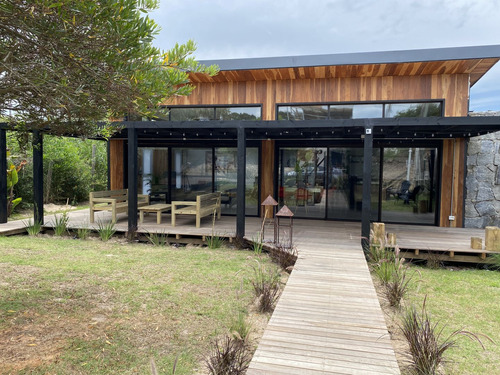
482, 183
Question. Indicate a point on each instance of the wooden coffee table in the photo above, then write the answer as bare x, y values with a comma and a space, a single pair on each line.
158, 208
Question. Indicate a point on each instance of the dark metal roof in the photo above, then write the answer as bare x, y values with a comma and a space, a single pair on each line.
387, 57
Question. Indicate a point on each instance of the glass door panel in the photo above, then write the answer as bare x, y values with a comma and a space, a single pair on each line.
302, 181
345, 183
191, 173
153, 173
226, 179
409, 188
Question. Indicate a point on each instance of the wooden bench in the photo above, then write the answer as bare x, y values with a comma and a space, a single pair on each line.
205, 205
115, 201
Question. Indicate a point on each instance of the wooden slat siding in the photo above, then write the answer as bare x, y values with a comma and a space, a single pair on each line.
116, 164
452, 88
475, 67
267, 170
452, 180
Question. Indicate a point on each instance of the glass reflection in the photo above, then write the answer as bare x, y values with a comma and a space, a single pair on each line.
356, 111
302, 181
192, 173
226, 179
307, 112
238, 113
412, 109
345, 183
153, 173
409, 188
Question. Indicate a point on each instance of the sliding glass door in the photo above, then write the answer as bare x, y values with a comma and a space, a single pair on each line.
410, 185
320, 182
226, 179
302, 181
345, 183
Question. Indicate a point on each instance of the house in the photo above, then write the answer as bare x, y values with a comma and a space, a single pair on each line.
379, 136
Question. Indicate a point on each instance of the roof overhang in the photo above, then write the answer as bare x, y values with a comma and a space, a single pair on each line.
475, 61
421, 128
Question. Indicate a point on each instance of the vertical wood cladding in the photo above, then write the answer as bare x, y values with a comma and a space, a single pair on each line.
452, 88
452, 183
116, 164
267, 170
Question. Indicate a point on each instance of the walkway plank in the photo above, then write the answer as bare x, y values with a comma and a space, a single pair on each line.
328, 319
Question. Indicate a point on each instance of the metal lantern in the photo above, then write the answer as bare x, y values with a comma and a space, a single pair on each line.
269, 215
283, 214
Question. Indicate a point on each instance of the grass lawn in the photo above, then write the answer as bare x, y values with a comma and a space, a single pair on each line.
466, 299
87, 307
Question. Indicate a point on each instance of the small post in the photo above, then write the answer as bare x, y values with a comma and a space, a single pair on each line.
476, 243
492, 238
379, 234
391, 239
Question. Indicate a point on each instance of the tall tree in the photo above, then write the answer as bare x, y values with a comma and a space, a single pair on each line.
65, 65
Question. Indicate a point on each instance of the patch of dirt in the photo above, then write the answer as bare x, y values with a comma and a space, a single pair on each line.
392, 320
51, 207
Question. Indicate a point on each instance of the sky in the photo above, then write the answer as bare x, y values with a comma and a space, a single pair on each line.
267, 28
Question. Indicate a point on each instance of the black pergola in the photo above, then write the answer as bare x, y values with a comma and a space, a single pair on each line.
362, 130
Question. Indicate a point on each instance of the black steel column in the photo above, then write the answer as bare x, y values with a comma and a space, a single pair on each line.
240, 187
108, 161
3, 176
38, 176
132, 181
367, 185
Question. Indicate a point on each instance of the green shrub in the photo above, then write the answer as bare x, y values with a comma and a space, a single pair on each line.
229, 356
83, 233
68, 172
33, 227
158, 239
427, 345
106, 230
266, 283
61, 224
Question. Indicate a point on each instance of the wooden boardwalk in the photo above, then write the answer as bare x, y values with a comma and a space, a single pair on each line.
328, 319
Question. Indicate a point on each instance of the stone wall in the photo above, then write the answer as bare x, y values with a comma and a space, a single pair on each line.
482, 183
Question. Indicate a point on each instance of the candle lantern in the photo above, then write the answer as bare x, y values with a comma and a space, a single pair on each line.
284, 219
269, 206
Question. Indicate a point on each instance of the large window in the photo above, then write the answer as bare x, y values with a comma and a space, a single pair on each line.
358, 110
195, 171
327, 182
226, 113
